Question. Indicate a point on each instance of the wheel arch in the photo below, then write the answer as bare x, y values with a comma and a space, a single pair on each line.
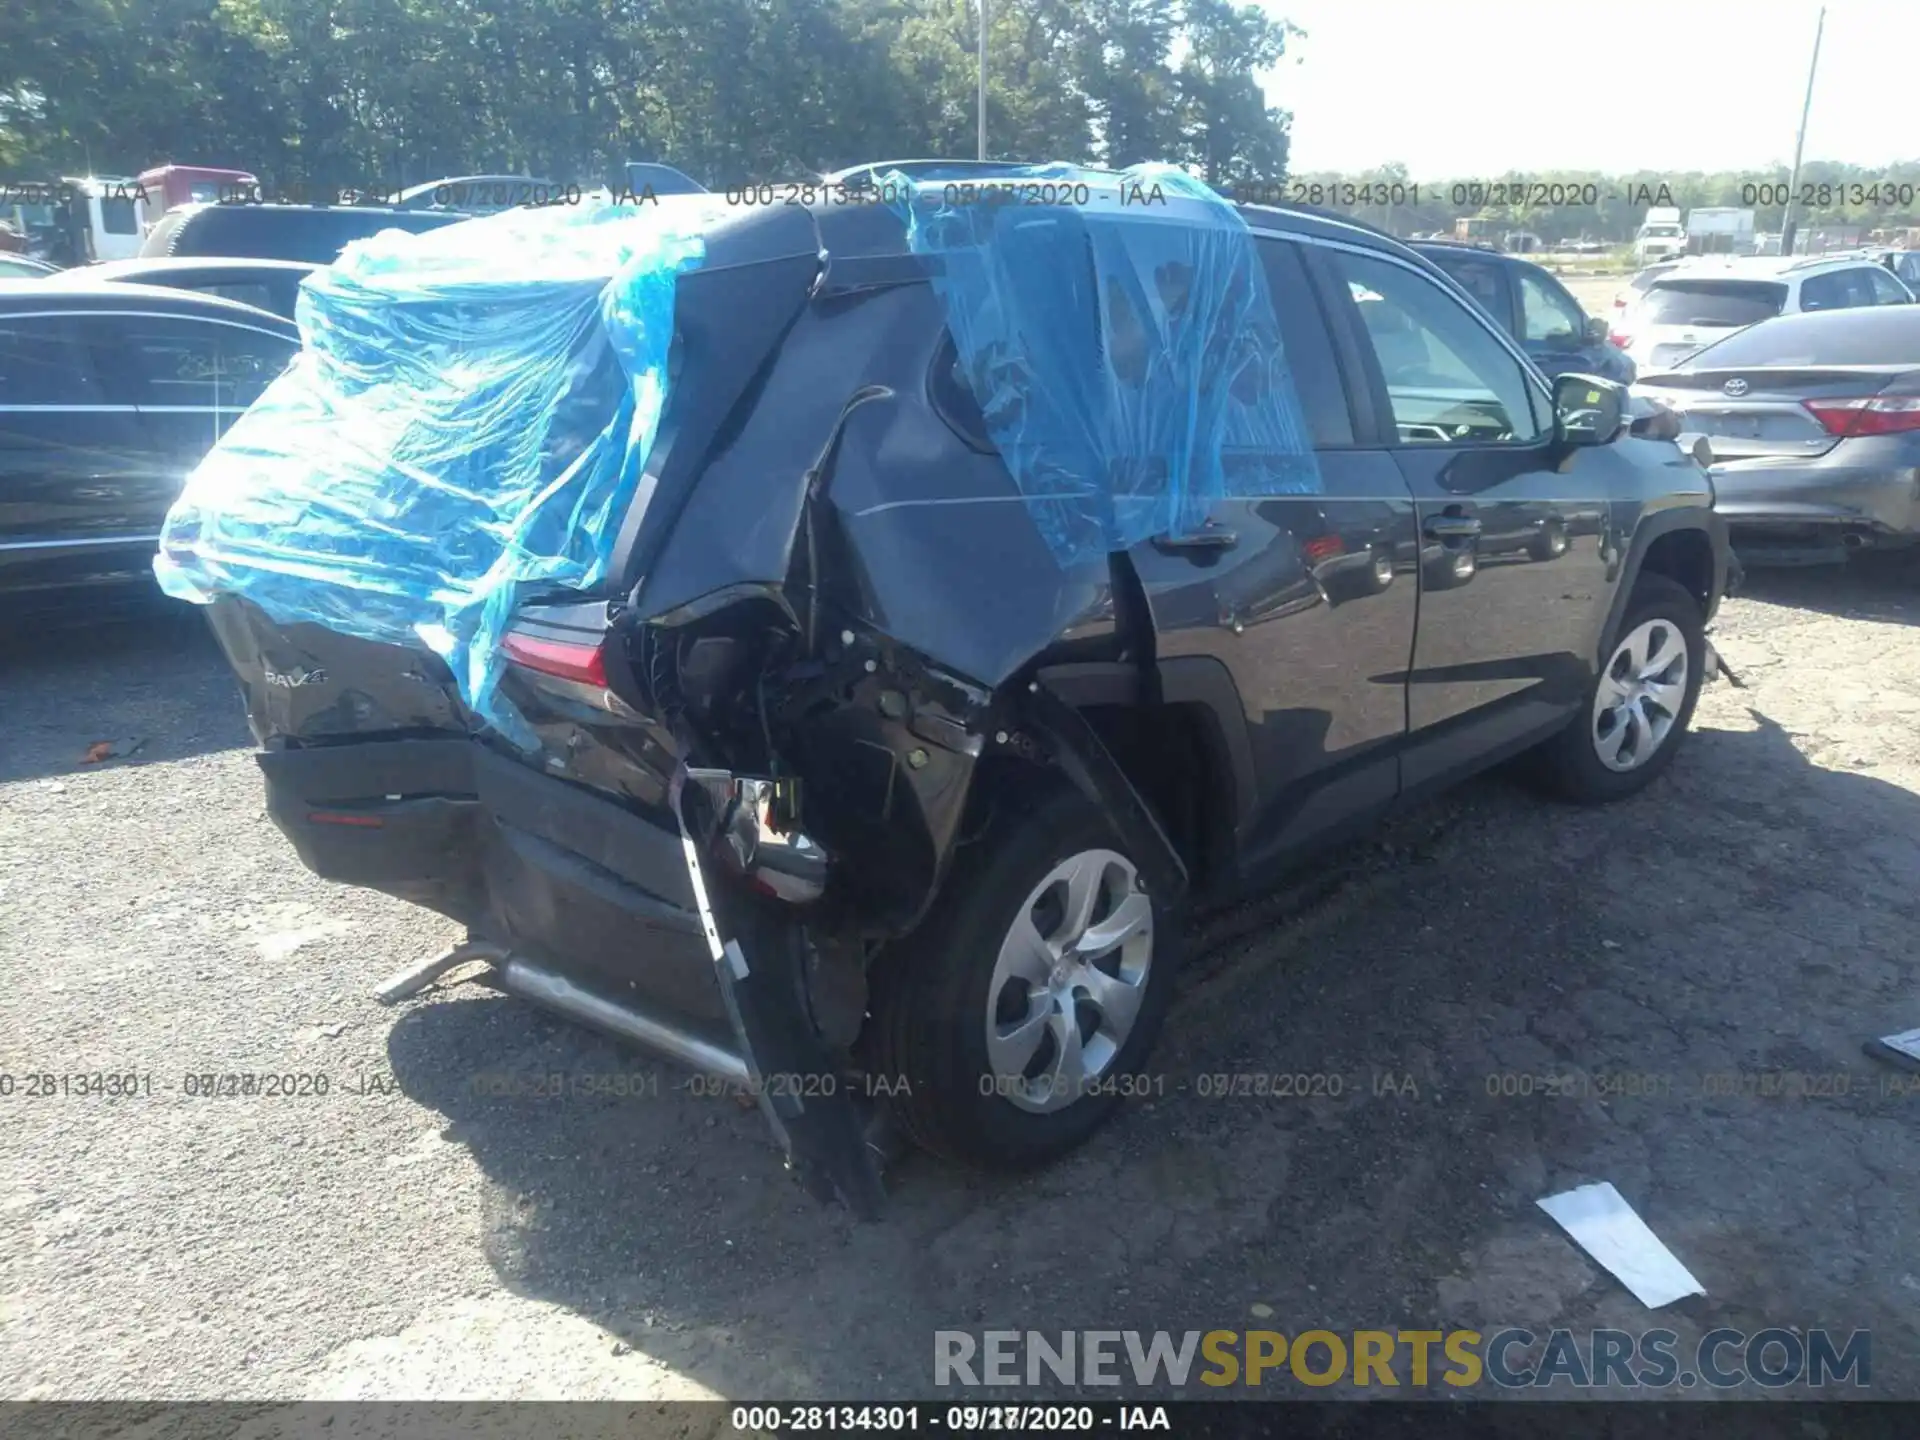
1688, 545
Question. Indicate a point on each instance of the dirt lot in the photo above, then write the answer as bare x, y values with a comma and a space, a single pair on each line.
406, 1236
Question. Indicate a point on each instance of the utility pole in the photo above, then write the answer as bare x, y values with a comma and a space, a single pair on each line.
1800, 140
983, 79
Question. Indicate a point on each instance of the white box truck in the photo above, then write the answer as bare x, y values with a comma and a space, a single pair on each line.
1661, 236
1719, 230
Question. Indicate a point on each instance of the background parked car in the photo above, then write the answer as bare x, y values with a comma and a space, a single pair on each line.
1701, 301
1630, 293
271, 285
1535, 309
314, 233
109, 395
1814, 424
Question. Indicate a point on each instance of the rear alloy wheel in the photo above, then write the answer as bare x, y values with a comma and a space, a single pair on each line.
1069, 982
1635, 716
1014, 1019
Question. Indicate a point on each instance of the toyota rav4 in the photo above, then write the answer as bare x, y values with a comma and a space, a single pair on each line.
850, 784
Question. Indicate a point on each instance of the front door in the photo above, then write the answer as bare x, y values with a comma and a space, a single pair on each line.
1518, 557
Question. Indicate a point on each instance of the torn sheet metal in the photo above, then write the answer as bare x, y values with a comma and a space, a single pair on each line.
1606, 1227
1118, 334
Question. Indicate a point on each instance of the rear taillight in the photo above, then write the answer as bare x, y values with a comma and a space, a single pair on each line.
1322, 547
1617, 339
1867, 415
582, 664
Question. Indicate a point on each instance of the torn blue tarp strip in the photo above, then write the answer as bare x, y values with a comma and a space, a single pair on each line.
1117, 331
468, 417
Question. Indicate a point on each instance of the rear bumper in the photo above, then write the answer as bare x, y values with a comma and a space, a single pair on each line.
535, 865
595, 911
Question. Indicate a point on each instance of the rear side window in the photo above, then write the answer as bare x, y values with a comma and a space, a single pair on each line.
1303, 332
1485, 281
44, 362
173, 363
1837, 290
1550, 315
1886, 289
1712, 302
247, 293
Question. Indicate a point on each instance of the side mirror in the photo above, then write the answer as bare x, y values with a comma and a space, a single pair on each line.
1598, 329
1587, 410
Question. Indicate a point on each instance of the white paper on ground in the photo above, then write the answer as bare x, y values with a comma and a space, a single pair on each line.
1604, 1225
1907, 1042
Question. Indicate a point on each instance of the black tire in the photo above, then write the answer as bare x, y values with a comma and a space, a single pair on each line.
929, 1011
1550, 543
1569, 765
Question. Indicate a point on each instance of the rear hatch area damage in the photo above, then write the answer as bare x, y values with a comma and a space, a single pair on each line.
654, 620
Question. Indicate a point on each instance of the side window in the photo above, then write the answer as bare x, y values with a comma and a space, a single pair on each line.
43, 362
1886, 289
953, 398
1824, 292
1303, 332
169, 363
1549, 314
250, 360
246, 292
1486, 282
1449, 381
117, 215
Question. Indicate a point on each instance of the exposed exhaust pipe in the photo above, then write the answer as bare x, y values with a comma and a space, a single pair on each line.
530, 981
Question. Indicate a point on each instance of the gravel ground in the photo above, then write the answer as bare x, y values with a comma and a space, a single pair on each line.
405, 1236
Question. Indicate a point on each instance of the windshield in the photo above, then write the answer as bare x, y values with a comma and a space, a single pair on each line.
1888, 335
1712, 302
1661, 232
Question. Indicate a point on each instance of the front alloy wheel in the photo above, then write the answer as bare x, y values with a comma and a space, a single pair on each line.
1641, 694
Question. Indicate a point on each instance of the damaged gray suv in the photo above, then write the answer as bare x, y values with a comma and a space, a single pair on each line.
870, 783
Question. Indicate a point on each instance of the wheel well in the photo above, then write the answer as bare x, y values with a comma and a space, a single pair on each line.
1685, 557
1173, 754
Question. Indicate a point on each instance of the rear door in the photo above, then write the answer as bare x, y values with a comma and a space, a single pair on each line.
1310, 604
73, 473
1518, 552
187, 379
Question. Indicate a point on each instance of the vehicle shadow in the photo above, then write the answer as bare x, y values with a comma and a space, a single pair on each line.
149, 682
1872, 585
1487, 934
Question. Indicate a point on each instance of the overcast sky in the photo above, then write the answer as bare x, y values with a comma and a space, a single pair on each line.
1465, 88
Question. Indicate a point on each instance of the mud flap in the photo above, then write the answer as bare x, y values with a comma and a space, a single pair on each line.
759, 961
